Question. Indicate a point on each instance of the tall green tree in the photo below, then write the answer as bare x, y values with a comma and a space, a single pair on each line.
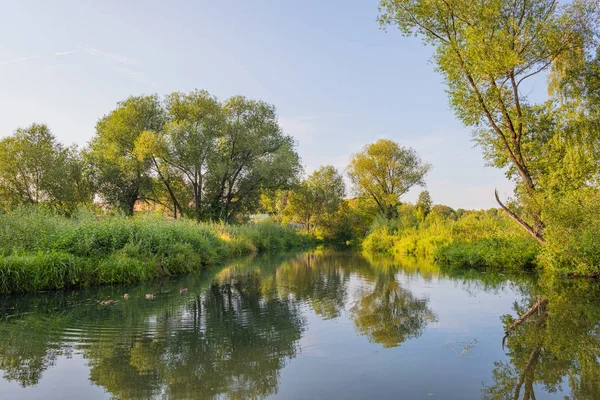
384, 171
424, 203
487, 52
122, 177
36, 169
317, 199
251, 154
196, 120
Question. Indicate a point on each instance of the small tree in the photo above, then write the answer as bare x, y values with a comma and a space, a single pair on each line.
317, 199
384, 171
35, 168
424, 203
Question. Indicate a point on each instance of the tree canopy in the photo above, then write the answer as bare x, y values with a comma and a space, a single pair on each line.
35, 168
384, 171
192, 154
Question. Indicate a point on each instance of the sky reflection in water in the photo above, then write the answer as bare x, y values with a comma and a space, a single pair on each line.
320, 324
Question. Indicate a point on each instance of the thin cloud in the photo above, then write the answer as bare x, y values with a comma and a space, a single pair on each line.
120, 63
57, 54
65, 53
16, 60
112, 57
124, 65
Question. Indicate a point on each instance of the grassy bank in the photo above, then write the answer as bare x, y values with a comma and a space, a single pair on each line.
40, 250
475, 239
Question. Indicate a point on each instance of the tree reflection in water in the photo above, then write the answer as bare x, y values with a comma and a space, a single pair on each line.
227, 341
389, 314
556, 344
240, 325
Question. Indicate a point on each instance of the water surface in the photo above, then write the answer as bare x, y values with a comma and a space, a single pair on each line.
315, 325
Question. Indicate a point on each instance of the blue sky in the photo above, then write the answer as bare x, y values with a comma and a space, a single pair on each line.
337, 80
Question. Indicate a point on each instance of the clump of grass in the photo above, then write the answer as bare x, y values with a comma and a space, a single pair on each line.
41, 250
473, 240
491, 252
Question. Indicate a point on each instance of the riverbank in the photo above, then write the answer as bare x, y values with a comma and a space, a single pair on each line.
476, 240
41, 250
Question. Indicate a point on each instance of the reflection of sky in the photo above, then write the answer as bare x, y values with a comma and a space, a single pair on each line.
336, 362
66, 380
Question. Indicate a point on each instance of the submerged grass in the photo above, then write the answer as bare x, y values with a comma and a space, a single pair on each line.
41, 250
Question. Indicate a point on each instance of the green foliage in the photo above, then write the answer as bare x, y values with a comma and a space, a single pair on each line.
487, 51
477, 239
316, 200
122, 176
424, 204
383, 171
193, 155
501, 252
189, 142
349, 225
35, 168
252, 154
442, 211
573, 233
40, 249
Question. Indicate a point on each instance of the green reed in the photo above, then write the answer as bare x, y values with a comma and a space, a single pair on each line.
42, 250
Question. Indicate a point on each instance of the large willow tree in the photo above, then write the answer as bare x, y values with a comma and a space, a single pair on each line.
192, 154
488, 51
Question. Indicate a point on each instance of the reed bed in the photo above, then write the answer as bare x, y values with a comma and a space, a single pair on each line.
42, 250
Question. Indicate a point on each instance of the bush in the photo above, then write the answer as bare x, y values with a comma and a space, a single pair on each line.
475, 239
573, 233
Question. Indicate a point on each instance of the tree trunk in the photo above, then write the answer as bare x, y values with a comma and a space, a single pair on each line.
197, 202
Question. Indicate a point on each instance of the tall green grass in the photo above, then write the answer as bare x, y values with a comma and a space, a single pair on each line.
41, 250
473, 240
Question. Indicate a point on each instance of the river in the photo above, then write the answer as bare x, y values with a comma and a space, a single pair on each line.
316, 325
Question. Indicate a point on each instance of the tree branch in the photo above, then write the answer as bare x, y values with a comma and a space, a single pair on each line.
536, 235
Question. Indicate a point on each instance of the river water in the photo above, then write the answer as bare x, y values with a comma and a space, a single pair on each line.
314, 325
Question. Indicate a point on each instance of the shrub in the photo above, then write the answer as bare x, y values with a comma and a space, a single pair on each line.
573, 233
475, 239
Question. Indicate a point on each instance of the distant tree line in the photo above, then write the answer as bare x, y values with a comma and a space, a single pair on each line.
380, 174
191, 155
